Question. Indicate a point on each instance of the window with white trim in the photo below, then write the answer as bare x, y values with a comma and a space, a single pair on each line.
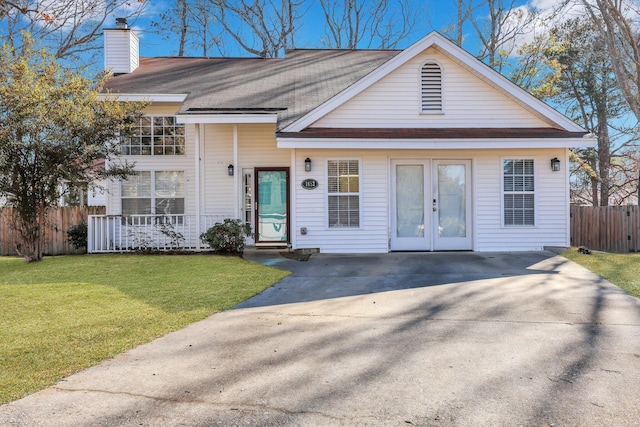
518, 187
431, 88
153, 192
343, 203
155, 136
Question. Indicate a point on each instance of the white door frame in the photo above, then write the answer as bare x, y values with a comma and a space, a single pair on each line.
432, 240
422, 243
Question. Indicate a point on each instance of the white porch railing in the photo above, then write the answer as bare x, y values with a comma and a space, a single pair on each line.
139, 233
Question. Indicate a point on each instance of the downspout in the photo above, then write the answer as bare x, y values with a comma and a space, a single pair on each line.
236, 206
197, 189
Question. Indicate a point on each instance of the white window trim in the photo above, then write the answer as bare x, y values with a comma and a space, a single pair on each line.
535, 192
327, 193
153, 190
442, 88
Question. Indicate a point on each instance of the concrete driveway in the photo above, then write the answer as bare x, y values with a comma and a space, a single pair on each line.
435, 339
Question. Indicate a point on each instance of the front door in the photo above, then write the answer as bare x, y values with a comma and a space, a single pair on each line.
430, 205
272, 206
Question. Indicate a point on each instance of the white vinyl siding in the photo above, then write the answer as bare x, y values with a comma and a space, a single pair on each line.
431, 88
310, 206
489, 233
552, 204
393, 102
518, 186
256, 148
184, 163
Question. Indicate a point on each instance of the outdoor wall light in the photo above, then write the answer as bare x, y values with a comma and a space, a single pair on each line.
307, 165
230, 170
555, 164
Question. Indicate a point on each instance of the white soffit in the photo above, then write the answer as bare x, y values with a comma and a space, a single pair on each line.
449, 48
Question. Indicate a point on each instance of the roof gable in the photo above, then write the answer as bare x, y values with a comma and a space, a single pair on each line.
540, 113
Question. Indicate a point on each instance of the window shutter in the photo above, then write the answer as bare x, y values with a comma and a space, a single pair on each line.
431, 86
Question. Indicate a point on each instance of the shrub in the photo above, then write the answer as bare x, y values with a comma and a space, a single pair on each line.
77, 235
227, 237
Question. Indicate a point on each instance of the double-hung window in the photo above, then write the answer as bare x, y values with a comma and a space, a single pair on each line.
155, 135
153, 192
343, 204
518, 185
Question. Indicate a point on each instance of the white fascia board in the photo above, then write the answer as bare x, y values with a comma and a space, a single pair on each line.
457, 53
227, 118
138, 97
432, 144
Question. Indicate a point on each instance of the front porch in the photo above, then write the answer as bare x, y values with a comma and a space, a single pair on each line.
141, 233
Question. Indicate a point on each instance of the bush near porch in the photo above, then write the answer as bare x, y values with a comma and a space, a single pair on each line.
67, 313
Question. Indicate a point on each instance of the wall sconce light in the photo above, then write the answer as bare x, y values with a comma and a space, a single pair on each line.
555, 164
307, 165
230, 170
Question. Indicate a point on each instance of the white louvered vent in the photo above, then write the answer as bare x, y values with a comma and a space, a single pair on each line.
431, 86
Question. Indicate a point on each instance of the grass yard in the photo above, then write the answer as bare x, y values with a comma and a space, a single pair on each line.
623, 270
67, 313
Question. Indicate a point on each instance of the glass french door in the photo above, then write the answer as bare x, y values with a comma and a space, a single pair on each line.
411, 217
272, 206
452, 205
430, 205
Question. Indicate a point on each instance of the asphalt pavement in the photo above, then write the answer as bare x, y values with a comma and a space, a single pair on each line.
400, 339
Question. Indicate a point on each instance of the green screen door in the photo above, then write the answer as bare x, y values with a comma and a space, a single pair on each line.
272, 205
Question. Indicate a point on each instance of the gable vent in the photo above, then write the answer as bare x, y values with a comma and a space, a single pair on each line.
431, 86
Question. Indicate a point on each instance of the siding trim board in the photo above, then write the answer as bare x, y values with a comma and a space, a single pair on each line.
426, 144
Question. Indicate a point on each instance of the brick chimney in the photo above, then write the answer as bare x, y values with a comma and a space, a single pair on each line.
121, 48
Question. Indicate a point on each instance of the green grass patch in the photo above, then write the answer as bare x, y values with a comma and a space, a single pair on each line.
623, 270
66, 313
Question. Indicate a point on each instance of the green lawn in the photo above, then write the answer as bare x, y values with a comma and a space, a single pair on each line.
622, 270
66, 313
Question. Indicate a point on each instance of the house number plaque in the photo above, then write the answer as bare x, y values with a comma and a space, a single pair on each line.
309, 184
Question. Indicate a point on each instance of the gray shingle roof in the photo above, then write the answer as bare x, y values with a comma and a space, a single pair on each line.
293, 85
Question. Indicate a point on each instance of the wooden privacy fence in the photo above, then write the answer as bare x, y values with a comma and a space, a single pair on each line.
60, 220
606, 228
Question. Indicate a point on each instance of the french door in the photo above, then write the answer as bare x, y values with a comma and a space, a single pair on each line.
272, 206
431, 205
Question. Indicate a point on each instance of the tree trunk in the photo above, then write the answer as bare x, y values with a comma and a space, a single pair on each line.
604, 158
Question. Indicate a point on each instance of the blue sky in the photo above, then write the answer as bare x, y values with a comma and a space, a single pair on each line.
432, 15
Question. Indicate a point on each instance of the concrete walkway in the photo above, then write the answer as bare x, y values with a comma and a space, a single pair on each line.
436, 339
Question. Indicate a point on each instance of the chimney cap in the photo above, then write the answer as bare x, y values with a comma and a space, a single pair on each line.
121, 23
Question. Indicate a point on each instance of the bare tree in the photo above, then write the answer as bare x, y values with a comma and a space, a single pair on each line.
382, 24
455, 29
192, 22
617, 22
497, 24
69, 28
260, 27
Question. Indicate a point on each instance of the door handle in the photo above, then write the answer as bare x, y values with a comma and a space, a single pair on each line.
435, 205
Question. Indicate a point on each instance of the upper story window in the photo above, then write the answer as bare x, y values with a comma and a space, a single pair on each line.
431, 88
155, 136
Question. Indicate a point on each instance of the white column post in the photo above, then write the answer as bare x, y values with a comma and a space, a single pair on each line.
237, 174
197, 184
